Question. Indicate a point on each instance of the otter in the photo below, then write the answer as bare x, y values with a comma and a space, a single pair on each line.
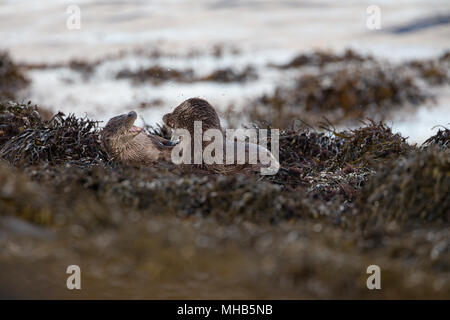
190, 110
196, 109
129, 145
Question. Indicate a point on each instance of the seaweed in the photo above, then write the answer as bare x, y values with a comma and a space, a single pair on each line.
326, 163
346, 88
164, 190
229, 75
341, 201
156, 75
412, 190
15, 118
322, 58
60, 140
370, 144
433, 71
15, 188
341, 94
85, 67
12, 78
334, 163
441, 140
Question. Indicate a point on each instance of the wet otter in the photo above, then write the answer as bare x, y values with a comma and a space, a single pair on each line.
192, 110
128, 144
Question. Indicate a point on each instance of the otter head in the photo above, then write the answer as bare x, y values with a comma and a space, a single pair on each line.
119, 131
191, 110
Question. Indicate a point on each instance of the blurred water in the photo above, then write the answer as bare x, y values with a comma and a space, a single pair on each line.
36, 30
264, 31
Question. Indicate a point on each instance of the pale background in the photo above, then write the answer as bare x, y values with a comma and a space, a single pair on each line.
263, 31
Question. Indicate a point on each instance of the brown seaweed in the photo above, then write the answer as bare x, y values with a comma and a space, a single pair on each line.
60, 140
12, 78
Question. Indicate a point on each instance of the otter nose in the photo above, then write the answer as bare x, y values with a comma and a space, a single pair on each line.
132, 114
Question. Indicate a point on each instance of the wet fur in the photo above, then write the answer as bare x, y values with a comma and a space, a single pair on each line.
196, 109
132, 148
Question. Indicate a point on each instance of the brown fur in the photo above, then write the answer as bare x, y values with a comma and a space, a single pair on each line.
134, 148
196, 109
191, 110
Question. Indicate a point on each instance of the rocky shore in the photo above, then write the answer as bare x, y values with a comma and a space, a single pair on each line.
343, 201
